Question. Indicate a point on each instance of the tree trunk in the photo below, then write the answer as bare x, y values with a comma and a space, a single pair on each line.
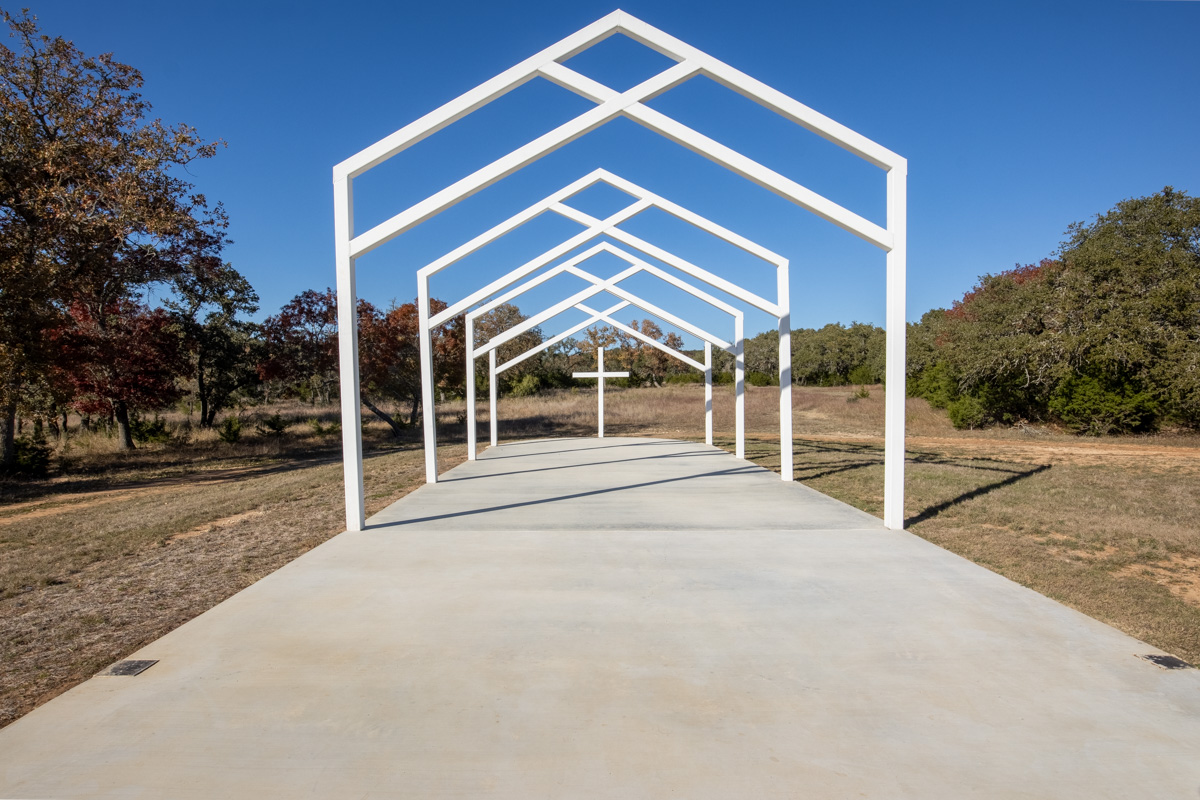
416, 404
397, 428
202, 391
62, 433
124, 436
8, 430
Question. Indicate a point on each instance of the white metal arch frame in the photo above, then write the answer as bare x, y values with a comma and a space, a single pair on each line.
610, 285
609, 105
595, 228
606, 317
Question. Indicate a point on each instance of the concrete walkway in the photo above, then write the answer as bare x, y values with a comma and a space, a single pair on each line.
626, 618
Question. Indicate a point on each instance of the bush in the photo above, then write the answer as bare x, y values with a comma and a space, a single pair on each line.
684, 377
153, 430
231, 430
936, 384
761, 379
863, 374
1102, 405
33, 457
723, 378
527, 386
273, 425
331, 429
968, 412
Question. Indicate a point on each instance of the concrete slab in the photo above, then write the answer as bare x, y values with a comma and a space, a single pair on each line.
413, 660
626, 483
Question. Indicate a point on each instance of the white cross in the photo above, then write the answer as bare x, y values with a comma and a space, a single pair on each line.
600, 375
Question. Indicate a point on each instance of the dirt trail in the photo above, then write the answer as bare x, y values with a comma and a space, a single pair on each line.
55, 504
1056, 451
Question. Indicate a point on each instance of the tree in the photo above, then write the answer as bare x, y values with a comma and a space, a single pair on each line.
87, 196
125, 360
495, 322
389, 361
1130, 306
836, 355
208, 296
646, 362
1104, 339
300, 345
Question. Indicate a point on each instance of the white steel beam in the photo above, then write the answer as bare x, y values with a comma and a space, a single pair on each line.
347, 314
896, 373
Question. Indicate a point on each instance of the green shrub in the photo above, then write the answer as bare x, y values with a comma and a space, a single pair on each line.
761, 379
861, 393
149, 430
273, 425
1100, 405
231, 430
862, 374
527, 386
968, 412
684, 377
32, 457
723, 378
936, 384
331, 429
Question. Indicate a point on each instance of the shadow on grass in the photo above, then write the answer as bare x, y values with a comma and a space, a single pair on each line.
934, 510
822, 462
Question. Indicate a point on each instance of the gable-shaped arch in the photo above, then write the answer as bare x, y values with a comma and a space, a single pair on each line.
611, 286
628, 299
643, 199
611, 104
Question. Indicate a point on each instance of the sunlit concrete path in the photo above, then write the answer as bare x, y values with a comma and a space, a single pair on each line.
623, 618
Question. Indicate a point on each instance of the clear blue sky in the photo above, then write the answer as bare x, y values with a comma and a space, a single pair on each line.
1017, 118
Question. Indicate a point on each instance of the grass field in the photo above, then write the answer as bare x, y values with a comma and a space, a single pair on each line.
120, 549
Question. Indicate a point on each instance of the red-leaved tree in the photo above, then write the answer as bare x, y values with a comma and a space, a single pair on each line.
124, 358
301, 345
389, 358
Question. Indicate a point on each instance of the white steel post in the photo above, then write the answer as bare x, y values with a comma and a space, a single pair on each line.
600, 387
897, 330
708, 410
492, 394
739, 388
787, 468
347, 311
470, 333
429, 415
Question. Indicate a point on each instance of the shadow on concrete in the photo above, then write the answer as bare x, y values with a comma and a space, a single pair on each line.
518, 443
470, 512
577, 466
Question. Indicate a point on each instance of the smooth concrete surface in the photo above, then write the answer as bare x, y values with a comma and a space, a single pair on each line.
412, 660
625, 483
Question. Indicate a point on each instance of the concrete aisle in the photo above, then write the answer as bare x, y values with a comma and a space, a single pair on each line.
626, 618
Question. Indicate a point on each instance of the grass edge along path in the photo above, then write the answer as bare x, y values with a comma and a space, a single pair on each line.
98, 587
1115, 542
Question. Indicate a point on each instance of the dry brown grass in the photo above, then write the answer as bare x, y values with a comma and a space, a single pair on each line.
99, 562
123, 548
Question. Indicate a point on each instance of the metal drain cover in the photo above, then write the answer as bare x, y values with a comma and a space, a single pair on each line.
1167, 662
128, 668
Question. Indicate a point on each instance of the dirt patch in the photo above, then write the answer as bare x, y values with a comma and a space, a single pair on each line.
215, 524
1179, 575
